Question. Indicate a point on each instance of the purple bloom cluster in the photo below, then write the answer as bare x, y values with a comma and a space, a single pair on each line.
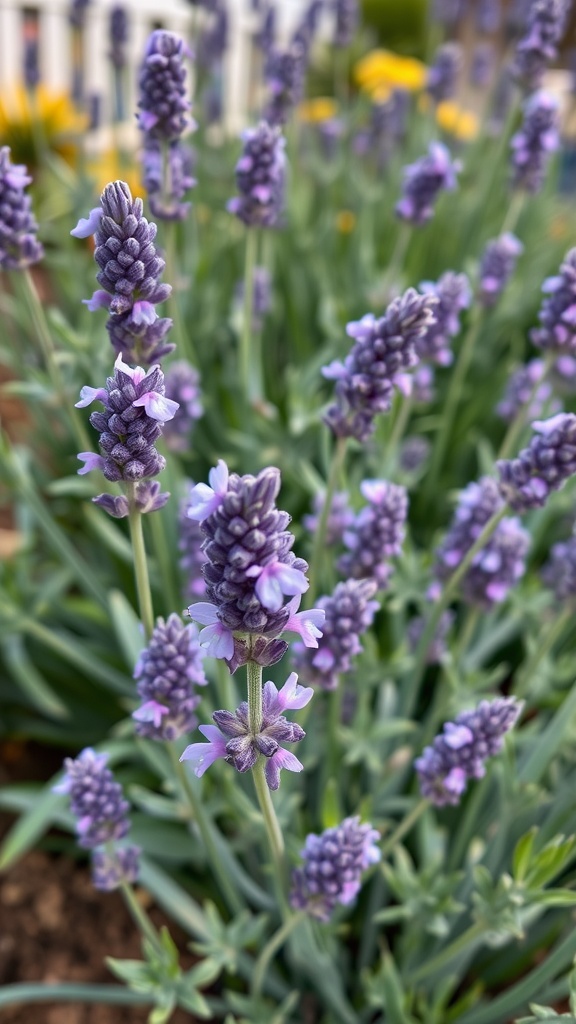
438, 646
347, 15
460, 751
423, 181
520, 391
333, 866
135, 408
443, 74
214, 39
163, 104
118, 36
176, 160
349, 613
233, 739
285, 71
488, 16
422, 384
340, 517
130, 271
499, 564
497, 266
483, 65
260, 177
19, 246
182, 382
544, 466
109, 870
545, 28
167, 671
190, 541
559, 573
377, 533
537, 139
557, 315
249, 568
382, 349
454, 294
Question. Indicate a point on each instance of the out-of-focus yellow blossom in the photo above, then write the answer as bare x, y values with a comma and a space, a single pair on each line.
459, 122
31, 120
109, 166
318, 109
345, 221
384, 68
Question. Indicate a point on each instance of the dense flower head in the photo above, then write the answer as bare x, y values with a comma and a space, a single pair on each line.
111, 868
488, 16
537, 139
347, 16
130, 272
308, 25
459, 753
522, 393
233, 740
260, 177
383, 348
332, 867
443, 74
498, 566
377, 533
192, 556
266, 36
285, 72
167, 177
454, 294
557, 315
539, 47
213, 40
164, 107
543, 467
559, 572
182, 383
424, 180
118, 35
497, 265
19, 246
340, 516
437, 648
250, 567
96, 799
77, 13
167, 671
483, 65
135, 408
349, 613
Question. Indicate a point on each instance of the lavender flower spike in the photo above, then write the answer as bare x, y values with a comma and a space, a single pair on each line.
454, 294
130, 271
557, 315
163, 104
377, 533
460, 751
249, 569
332, 868
497, 266
382, 349
443, 75
537, 139
340, 517
520, 391
19, 246
423, 181
167, 177
285, 71
190, 540
260, 177
545, 28
349, 613
233, 740
167, 671
347, 15
182, 383
559, 573
545, 466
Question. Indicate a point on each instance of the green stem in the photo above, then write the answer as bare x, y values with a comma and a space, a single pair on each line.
140, 566
319, 544
249, 374
398, 256
70, 992
254, 679
453, 950
229, 892
184, 346
465, 636
273, 829
398, 431
165, 561
334, 719
404, 827
513, 212
271, 948
515, 429
546, 642
140, 916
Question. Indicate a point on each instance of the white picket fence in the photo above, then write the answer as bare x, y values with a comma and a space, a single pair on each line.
55, 54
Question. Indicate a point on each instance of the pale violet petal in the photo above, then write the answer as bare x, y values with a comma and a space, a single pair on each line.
89, 395
86, 226
157, 406
203, 612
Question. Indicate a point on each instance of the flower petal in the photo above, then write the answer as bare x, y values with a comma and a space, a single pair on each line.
281, 759
151, 711
203, 612
91, 461
157, 406
136, 375
89, 395
87, 226
217, 640
99, 300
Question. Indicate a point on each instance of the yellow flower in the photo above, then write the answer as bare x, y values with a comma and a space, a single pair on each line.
345, 221
108, 167
459, 122
314, 111
29, 121
384, 68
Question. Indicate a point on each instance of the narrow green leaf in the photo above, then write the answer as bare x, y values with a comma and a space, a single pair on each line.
31, 826
11, 995
127, 627
33, 684
523, 854
173, 899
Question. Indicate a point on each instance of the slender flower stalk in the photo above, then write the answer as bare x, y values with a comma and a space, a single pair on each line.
319, 544
141, 568
250, 374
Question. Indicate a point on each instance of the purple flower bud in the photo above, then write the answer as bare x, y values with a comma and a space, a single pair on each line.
539, 47
260, 177
213, 40
454, 294
118, 36
163, 104
182, 383
349, 613
190, 541
167, 671
340, 517
19, 247
558, 311
543, 467
234, 741
537, 139
96, 799
520, 392
423, 180
414, 452
438, 647
497, 266
559, 573
165, 193
483, 65
111, 869
147, 498
382, 349
443, 74
285, 71
460, 751
488, 16
423, 390
347, 15
332, 868
377, 533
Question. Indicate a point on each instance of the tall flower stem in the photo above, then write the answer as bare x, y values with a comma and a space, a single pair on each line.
140, 565
228, 891
334, 718
275, 838
396, 264
271, 948
249, 373
139, 916
404, 827
411, 687
513, 212
517, 425
548, 637
319, 544
181, 337
398, 430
